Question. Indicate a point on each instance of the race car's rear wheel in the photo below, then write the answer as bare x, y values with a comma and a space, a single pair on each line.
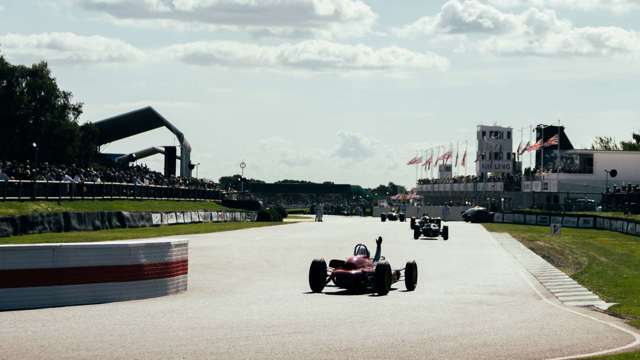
383, 217
382, 279
416, 234
318, 275
413, 223
445, 232
402, 218
411, 275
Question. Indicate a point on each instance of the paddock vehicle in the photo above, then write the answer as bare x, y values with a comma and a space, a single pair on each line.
393, 216
429, 227
360, 273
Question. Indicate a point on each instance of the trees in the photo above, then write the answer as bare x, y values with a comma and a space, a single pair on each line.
607, 143
391, 189
34, 110
633, 145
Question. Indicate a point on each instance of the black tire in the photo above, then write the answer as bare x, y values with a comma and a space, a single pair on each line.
445, 232
413, 223
318, 275
411, 275
382, 278
416, 234
383, 217
402, 218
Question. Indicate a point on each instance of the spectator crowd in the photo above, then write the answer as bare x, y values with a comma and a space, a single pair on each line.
135, 174
471, 179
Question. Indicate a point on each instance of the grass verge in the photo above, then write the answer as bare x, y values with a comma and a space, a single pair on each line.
12, 208
608, 263
129, 234
611, 214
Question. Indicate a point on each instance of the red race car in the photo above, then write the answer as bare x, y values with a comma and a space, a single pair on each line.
359, 272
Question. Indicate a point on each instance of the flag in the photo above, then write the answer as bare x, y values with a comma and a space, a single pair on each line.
429, 161
536, 146
525, 148
519, 148
553, 141
464, 158
416, 160
457, 157
445, 157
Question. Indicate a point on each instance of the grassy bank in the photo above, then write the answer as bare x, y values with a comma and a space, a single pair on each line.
608, 263
9, 208
611, 214
128, 234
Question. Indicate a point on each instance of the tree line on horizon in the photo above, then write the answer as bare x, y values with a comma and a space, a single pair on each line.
237, 182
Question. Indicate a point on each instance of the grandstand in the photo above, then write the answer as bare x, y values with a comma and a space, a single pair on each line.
562, 175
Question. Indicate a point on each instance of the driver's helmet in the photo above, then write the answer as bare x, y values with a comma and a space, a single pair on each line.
361, 249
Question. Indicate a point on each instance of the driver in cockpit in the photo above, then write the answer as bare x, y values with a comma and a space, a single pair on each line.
362, 250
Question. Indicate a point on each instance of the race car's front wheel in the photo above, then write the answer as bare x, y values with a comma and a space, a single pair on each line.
416, 234
383, 218
445, 232
318, 275
382, 278
411, 275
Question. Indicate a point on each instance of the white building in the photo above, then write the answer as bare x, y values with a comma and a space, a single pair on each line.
495, 150
586, 171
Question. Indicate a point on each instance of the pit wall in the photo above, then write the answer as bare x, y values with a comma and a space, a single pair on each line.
573, 221
49, 275
38, 223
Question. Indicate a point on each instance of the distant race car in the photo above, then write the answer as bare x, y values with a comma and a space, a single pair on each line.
477, 215
393, 216
429, 227
361, 273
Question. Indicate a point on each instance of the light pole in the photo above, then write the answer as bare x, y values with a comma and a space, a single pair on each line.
35, 153
610, 173
243, 165
197, 167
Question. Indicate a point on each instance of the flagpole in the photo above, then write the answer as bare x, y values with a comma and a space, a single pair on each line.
416, 164
559, 161
466, 151
530, 143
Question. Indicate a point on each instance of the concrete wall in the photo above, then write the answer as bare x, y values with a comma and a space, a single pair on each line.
450, 213
47, 275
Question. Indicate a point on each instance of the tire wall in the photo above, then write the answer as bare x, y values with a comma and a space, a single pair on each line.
37, 276
76, 221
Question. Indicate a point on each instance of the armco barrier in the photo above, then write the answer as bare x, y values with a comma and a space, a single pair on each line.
47, 275
68, 221
574, 221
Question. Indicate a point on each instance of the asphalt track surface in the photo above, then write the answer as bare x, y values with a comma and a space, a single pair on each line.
248, 299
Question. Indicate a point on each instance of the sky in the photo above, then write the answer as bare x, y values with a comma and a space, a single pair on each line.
337, 90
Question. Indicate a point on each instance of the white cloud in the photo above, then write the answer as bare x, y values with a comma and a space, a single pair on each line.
615, 6
531, 32
285, 152
278, 17
68, 47
355, 146
309, 55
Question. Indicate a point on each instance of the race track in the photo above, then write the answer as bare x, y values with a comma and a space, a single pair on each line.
248, 299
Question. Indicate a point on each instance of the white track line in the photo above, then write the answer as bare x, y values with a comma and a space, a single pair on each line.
527, 278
